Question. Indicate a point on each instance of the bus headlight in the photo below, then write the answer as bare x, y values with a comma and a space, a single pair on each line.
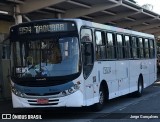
64, 93
18, 93
76, 86
70, 90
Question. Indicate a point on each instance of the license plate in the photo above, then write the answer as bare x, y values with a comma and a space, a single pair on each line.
42, 101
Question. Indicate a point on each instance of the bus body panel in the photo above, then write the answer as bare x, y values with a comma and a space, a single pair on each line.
106, 70
122, 77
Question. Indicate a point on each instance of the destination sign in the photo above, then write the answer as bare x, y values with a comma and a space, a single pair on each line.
43, 28
39, 29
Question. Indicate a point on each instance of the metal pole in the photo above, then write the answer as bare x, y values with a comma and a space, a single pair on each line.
18, 16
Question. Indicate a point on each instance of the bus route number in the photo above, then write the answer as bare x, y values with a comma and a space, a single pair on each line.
24, 30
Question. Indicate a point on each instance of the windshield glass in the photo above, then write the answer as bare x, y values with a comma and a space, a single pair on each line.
46, 57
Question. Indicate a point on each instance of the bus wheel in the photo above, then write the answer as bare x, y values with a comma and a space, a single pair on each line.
140, 87
98, 106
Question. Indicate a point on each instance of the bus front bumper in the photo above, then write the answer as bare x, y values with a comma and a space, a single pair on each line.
73, 100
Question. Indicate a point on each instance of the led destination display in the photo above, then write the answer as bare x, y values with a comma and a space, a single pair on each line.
42, 27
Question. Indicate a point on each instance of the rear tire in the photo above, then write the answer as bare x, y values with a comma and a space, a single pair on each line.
102, 97
140, 87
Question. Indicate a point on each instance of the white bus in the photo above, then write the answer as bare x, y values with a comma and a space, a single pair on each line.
75, 63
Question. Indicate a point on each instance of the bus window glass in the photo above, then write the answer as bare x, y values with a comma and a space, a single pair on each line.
87, 51
152, 50
98, 38
134, 47
146, 48
127, 48
47, 57
141, 48
110, 46
119, 47
17, 59
100, 45
86, 35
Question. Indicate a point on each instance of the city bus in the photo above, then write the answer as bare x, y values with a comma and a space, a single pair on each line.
76, 63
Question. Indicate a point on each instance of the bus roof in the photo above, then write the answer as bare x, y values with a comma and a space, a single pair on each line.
113, 28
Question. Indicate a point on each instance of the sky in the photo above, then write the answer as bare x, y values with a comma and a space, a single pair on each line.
155, 3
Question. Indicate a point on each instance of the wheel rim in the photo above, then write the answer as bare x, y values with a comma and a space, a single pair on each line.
140, 88
101, 99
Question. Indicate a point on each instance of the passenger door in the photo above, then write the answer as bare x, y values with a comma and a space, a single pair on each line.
87, 61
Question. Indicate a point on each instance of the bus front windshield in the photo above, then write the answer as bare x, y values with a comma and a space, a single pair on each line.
46, 58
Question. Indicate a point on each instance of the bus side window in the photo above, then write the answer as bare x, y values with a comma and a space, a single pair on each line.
100, 45
127, 48
146, 48
141, 48
134, 48
152, 50
119, 46
110, 46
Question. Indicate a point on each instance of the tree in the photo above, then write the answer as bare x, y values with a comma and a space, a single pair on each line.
147, 6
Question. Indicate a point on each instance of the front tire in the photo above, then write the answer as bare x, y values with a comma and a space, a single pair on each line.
99, 106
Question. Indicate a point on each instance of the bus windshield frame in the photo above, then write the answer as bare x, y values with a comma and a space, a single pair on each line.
45, 56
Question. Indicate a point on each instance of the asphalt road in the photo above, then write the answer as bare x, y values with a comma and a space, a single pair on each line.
125, 108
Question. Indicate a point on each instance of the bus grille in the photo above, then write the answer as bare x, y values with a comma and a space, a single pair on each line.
50, 102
